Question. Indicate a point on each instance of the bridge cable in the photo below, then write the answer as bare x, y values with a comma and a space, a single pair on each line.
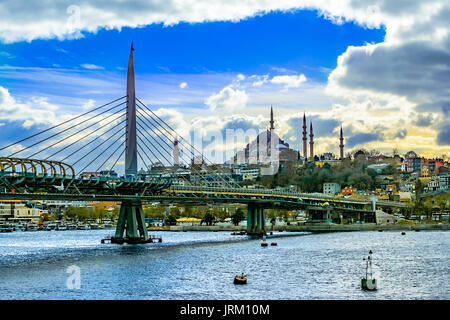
146, 122
87, 135
71, 135
96, 148
140, 132
81, 115
181, 138
102, 152
142, 149
85, 145
77, 124
110, 155
202, 175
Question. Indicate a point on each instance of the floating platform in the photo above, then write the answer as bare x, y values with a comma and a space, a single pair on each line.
151, 239
369, 284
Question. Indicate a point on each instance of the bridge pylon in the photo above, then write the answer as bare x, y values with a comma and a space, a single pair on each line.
131, 224
255, 220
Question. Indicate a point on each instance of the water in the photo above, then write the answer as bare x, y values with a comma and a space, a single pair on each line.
201, 265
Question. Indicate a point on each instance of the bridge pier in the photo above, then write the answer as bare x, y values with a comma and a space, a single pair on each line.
255, 220
131, 222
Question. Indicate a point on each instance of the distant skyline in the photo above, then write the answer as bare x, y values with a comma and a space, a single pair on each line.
378, 68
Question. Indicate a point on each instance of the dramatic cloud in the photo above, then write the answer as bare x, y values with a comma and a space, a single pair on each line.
443, 137
227, 100
29, 113
361, 138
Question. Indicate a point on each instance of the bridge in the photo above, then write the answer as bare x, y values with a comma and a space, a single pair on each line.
54, 164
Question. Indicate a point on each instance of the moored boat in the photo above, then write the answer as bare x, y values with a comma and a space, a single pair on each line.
240, 279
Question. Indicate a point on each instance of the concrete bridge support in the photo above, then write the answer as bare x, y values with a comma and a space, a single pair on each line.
131, 222
255, 220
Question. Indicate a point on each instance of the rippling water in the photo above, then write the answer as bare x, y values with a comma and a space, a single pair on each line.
201, 265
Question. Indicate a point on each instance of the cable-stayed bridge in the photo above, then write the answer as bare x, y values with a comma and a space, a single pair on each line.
62, 162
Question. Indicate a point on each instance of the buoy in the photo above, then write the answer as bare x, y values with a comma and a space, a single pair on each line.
273, 244
264, 244
380, 230
403, 233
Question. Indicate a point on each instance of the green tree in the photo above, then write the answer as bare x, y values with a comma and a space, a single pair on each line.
237, 216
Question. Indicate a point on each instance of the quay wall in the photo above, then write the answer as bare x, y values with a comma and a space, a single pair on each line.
322, 228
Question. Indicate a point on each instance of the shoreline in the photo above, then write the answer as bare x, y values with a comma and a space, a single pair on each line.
315, 228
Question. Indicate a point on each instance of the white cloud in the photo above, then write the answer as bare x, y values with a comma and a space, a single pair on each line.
35, 111
183, 85
227, 100
289, 81
91, 66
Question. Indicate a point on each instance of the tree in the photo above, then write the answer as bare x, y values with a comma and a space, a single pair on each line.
208, 219
171, 220
237, 216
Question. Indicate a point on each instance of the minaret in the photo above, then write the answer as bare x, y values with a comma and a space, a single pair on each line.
131, 145
176, 153
341, 145
311, 142
305, 138
271, 119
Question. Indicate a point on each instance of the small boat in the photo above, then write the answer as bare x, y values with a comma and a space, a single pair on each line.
94, 226
32, 227
273, 244
50, 227
240, 279
264, 244
6, 228
61, 227
83, 227
20, 227
369, 283
403, 233
71, 227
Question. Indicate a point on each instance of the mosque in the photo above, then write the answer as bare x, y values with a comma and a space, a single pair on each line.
268, 146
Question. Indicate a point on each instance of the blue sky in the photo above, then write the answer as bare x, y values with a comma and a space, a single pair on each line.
229, 66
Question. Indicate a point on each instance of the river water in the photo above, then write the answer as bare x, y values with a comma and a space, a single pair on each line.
201, 265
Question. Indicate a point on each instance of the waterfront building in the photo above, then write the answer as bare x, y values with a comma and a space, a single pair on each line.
16, 210
331, 188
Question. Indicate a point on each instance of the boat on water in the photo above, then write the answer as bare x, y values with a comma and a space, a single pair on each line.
83, 227
32, 227
369, 282
71, 227
61, 227
6, 227
50, 227
240, 279
20, 227
94, 226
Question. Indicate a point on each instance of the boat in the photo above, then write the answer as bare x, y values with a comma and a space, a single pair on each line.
369, 282
6, 228
71, 227
32, 227
264, 244
240, 279
61, 227
83, 227
20, 227
94, 226
50, 226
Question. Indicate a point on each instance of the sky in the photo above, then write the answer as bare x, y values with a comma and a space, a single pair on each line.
378, 68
